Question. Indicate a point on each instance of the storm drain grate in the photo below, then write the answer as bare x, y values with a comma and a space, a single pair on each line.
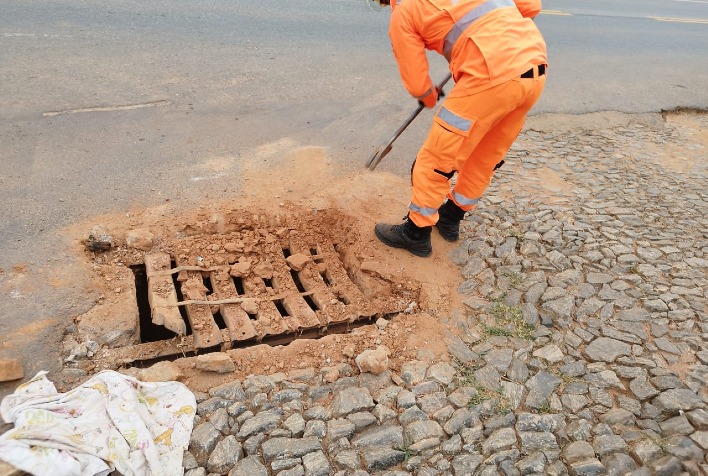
273, 296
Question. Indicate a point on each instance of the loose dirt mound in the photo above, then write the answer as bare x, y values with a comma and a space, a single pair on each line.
262, 268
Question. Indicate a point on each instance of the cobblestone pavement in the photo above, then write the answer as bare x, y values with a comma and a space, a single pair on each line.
583, 340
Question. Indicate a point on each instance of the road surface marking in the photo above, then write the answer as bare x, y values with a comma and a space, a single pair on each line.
126, 107
692, 1
208, 177
555, 12
681, 20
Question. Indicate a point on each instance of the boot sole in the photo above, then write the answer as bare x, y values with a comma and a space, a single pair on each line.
387, 242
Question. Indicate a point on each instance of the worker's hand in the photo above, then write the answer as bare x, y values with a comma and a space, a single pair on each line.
431, 99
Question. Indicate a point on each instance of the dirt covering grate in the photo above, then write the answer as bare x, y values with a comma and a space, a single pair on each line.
203, 292
280, 296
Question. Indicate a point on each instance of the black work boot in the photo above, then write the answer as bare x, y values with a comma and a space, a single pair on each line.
449, 222
407, 236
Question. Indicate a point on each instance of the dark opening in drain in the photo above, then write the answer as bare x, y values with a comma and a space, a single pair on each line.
343, 299
286, 252
218, 318
180, 297
268, 282
280, 305
238, 282
326, 278
207, 284
300, 287
149, 332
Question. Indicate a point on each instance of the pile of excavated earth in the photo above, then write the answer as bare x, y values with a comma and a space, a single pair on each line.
566, 333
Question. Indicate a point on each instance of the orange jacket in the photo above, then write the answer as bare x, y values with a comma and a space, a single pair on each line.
487, 42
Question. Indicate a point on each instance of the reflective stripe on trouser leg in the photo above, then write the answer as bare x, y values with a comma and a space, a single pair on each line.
435, 163
465, 203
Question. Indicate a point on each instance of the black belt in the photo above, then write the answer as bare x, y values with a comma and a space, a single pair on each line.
529, 73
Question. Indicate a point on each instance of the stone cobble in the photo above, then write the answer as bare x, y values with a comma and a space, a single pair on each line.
582, 349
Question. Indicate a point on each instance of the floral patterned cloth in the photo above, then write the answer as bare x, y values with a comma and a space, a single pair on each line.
110, 422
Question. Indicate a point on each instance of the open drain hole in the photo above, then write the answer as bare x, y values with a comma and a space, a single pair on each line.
327, 278
301, 287
280, 305
238, 283
180, 297
218, 318
149, 332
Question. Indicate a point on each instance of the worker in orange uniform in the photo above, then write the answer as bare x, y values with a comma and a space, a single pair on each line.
497, 57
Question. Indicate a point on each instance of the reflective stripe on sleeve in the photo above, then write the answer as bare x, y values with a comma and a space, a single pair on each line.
462, 24
454, 120
464, 201
426, 212
425, 93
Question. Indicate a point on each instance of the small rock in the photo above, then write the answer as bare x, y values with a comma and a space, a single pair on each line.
701, 438
226, 454
666, 466
619, 464
240, 269
578, 451
698, 418
250, 466
466, 464
501, 439
677, 425
532, 441
550, 353
340, 428
99, 239
280, 448
161, 372
250, 306
264, 421
385, 435
588, 467
11, 369
351, 400
295, 424
316, 464
609, 444
412, 373
618, 416
646, 451
604, 349
298, 261
203, 441
218, 362
374, 361
379, 459
139, 239
674, 400
443, 373
232, 391
423, 429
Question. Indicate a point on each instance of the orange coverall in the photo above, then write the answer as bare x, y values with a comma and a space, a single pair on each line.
489, 45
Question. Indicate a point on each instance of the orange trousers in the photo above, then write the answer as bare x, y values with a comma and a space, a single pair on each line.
470, 135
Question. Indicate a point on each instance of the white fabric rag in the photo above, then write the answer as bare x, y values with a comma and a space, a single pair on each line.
112, 421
